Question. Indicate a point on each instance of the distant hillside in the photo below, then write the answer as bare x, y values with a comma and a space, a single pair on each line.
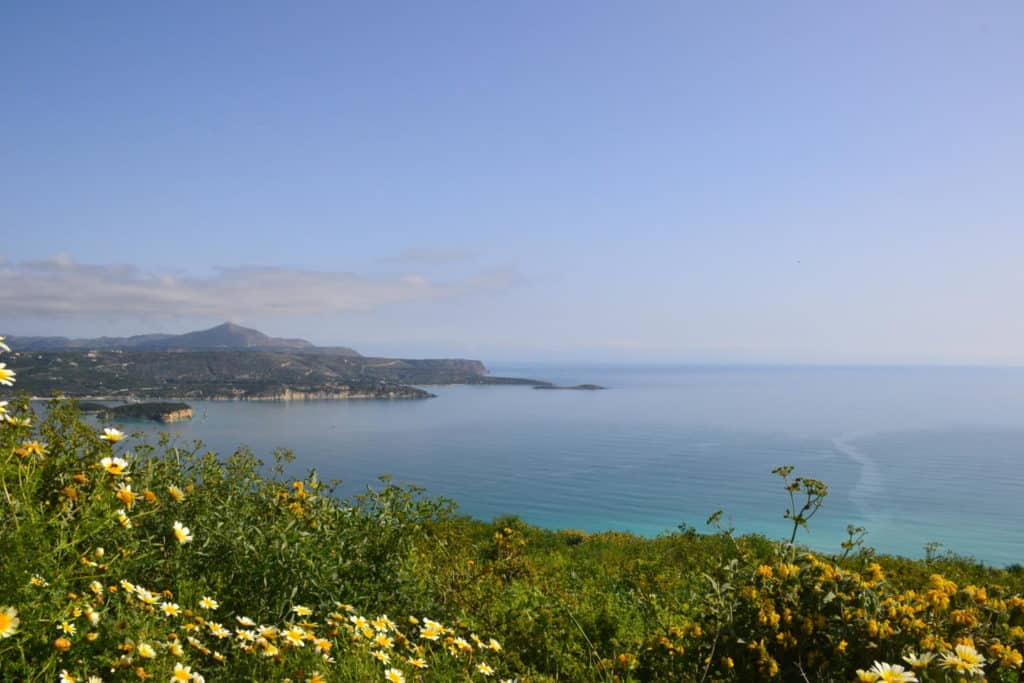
233, 374
226, 337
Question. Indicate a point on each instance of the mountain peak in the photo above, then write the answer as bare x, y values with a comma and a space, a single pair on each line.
227, 336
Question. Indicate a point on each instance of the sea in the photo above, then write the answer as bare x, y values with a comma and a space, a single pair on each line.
918, 456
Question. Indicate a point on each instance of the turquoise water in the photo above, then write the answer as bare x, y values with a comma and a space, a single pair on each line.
916, 455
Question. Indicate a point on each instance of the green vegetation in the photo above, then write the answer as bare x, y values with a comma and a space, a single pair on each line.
127, 561
160, 411
231, 375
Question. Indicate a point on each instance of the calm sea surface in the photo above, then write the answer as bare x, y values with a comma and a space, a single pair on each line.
915, 455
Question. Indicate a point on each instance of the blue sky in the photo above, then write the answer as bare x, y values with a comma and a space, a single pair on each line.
613, 181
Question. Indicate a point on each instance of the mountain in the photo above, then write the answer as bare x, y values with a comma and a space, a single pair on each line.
226, 337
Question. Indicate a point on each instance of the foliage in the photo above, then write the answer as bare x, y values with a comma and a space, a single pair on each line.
157, 561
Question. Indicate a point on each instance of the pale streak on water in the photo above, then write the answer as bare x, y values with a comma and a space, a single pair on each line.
913, 454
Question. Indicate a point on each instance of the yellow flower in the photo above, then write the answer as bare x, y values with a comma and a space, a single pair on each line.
30, 448
38, 581
115, 466
65, 677
494, 645
417, 662
965, 659
122, 519
920, 661
146, 651
302, 611
892, 673
182, 533
176, 494
209, 603
483, 668
170, 609
126, 495
866, 676
181, 673
295, 636
6, 376
8, 622
394, 676
112, 435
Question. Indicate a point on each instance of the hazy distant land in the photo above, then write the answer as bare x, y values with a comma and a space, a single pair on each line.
229, 362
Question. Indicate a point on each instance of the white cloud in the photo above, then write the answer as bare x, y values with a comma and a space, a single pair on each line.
62, 287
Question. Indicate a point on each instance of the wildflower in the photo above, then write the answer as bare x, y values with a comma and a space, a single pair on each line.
122, 519
8, 622
322, 645
218, 631
182, 533
208, 603
494, 645
38, 581
112, 435
964, 660
381, 656
175, 493
67, 627
892, 673
461, 644
96, 587
317, 677
302, 611
245, 635
115, 466
94, 679
920, 661
146, 651
394, 676
19, 421
149, 496
245, 621
30, 448
181, 673
126, 495
62, 644
170, 609
3, 346
3, 408
65, 677
486, 670
417, 662
270, 650
295, 636
432, 630
381, 640
6, 376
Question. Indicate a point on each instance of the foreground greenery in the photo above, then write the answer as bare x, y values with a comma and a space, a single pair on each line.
123, 560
